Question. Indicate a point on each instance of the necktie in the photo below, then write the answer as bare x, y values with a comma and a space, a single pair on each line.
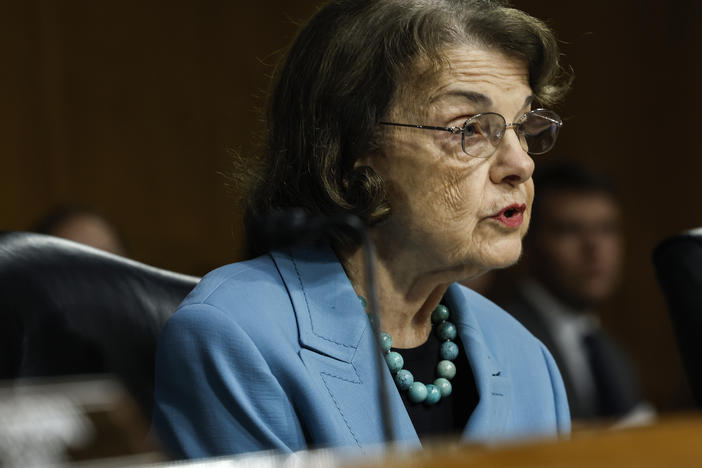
614, 382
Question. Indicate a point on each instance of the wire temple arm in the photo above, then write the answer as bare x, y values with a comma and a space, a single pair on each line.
454, 130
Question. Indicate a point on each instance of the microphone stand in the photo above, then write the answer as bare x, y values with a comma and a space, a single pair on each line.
374, 311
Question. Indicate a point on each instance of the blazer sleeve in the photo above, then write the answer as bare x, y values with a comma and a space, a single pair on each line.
559, 394
215, 393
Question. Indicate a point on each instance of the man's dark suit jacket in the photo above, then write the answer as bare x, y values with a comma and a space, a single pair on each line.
617, 390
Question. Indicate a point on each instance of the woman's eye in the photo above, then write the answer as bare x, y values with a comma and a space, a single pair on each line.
473, 129
470, 130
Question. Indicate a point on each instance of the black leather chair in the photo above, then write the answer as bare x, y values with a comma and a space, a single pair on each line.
678, 263
70, 309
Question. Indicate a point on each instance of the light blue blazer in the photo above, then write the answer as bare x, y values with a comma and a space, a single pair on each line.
277, 353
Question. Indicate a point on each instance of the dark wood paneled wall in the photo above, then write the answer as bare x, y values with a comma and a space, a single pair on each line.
134, 107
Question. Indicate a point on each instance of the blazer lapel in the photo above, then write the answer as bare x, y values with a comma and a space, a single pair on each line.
494, 385
338, 346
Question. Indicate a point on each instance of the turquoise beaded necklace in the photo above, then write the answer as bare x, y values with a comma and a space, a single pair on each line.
418, 392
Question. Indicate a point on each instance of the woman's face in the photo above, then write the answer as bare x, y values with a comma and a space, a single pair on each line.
448, 208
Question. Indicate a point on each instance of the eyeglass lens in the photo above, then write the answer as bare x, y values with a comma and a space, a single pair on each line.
537, 131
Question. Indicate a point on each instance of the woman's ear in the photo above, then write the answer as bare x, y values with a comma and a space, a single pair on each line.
365, 192
363, 161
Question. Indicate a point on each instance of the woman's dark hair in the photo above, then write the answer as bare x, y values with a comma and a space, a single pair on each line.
340, 78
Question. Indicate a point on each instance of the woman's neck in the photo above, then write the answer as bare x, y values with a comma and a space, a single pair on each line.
406, 295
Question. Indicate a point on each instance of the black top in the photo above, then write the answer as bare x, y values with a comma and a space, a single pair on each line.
449, 415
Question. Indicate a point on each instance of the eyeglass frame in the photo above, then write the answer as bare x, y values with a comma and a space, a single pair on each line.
513, 125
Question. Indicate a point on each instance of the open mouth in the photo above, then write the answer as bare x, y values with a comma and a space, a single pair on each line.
509, 212
511, 216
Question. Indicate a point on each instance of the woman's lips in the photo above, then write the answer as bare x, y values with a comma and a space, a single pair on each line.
511, 216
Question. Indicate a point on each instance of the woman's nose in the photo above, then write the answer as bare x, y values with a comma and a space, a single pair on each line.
511, 163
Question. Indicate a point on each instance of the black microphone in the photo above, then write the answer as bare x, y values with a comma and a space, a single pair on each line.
295, 226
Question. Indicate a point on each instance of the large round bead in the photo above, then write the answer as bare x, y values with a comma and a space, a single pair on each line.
439, 314
433, 395
444, 386
404, 379
395, 361
417, 392
446, 369
449, 350
446, 330
385, 341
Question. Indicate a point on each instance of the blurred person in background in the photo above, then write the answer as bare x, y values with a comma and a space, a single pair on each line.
573, 255
82, 225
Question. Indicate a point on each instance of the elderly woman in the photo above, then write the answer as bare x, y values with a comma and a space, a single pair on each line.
421, 118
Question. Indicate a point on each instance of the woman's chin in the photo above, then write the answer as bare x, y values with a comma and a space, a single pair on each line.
502, 255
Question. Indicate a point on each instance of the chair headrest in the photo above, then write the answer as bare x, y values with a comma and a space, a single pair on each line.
67, 308
678, 263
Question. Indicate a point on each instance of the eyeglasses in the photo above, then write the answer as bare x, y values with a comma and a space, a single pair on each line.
537, 131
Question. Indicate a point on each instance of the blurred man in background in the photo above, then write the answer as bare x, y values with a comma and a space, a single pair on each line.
573, 256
